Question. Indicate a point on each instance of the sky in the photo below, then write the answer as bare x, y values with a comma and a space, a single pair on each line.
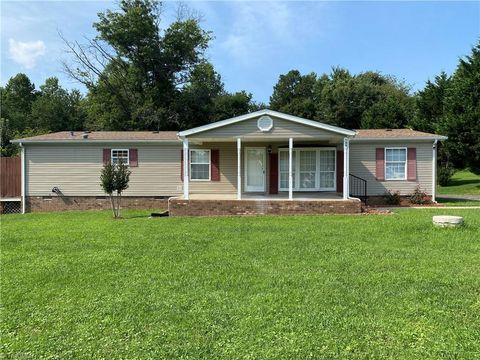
256, 42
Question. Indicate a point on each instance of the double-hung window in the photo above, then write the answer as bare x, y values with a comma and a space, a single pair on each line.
199, 165
395, 163
120, 155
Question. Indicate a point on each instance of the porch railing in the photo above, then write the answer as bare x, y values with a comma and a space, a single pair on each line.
358, 187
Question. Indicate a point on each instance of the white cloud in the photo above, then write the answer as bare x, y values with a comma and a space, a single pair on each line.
26, 53
260, 28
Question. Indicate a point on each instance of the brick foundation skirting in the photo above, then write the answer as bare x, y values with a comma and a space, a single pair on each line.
381, 200
65, 203
179, 207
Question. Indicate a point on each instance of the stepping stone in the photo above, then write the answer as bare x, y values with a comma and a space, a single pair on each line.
447, 221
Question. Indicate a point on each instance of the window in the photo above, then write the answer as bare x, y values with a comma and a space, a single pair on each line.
308, 169
120, 155
395, 163
283, 156
313, 169
200, 165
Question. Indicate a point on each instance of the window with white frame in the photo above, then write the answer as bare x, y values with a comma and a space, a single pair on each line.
395, 163
120, 155
313, 169
199, 165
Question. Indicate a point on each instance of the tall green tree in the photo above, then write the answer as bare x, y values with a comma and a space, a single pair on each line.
294, 94
366, 100
430, 104
461, 121
134, 70
56, 109
17, 98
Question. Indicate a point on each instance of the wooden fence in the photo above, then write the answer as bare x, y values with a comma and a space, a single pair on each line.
10, 177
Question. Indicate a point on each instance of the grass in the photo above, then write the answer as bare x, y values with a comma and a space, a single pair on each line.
463, 182
81, 285
457, 202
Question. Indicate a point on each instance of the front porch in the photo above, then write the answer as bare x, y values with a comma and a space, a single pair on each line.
228, 205
265, 163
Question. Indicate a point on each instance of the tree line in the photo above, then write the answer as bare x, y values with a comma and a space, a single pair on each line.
140, 76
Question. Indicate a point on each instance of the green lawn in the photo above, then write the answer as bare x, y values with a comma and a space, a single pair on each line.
463, 182
457, 202
80, 285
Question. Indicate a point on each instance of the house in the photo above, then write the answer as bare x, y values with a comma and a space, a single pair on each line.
262, 162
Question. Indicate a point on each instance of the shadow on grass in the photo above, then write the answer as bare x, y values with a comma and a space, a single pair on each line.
460, 182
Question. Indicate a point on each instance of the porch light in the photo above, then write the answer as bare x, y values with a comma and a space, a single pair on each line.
269, 149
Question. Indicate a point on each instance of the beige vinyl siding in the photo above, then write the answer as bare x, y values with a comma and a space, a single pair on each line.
228, 165
75, 170
363, 164
228, 171
248, 130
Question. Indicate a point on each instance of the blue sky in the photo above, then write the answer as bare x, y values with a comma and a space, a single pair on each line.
255, 42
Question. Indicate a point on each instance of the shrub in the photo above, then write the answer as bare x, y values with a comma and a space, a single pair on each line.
115, 178
445, 174
419, 197
392, 197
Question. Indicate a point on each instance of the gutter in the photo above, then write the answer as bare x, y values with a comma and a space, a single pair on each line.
84, 141
410, 138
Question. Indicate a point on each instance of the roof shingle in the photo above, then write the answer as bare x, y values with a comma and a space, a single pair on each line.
106, 136
392, 133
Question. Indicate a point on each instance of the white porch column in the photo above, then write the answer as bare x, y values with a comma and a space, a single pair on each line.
239, 169
346, 168
434, 170
23, 199
290, 169
186, 168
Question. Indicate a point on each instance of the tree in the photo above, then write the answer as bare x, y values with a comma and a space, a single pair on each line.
430, 104
229, 105
294, 94
134, 71
55, 109
114, 179
17, 99
366, 100
461, 121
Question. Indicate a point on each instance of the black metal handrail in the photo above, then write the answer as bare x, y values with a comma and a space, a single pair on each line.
358, 187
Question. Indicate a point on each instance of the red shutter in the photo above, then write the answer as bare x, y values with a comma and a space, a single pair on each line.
181, 165
339, 171
215, 164
273, 185
380, 164
412, 164
107, 153
133, 157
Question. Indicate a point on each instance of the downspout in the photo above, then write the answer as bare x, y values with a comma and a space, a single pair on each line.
22, 177
434, 170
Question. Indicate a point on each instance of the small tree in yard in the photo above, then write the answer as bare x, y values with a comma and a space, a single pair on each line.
115, 178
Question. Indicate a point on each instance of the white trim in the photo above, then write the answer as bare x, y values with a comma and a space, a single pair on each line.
277, 114
403, 139
346, 168
239, 169
22, 177
317, 172
96, 141
290, 168
209, 165
128, 155
186, 169
385, 162
434, 171
264, 168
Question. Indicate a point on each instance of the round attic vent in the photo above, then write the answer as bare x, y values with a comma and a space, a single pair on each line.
265, 123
